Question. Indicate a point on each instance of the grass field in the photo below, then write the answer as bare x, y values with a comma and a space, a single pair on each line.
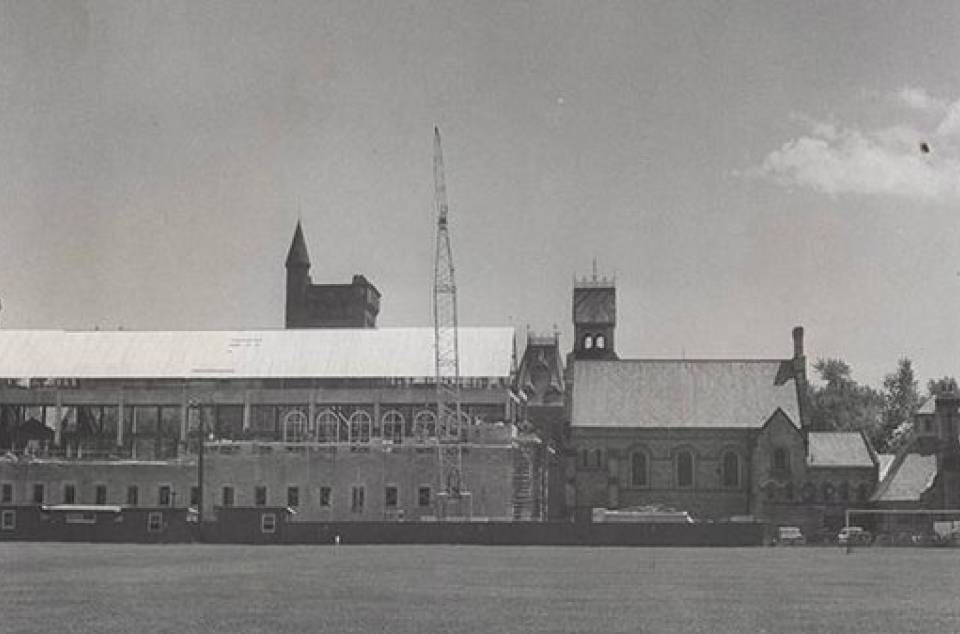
200, 588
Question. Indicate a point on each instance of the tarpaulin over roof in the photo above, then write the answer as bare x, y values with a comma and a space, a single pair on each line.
307, 353
681, 393
838, 449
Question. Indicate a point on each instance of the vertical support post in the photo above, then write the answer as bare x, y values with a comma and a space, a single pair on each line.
120, 419
246, 411
58, 412
183, 421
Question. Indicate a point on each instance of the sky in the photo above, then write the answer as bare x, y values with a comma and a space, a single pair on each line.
740, 168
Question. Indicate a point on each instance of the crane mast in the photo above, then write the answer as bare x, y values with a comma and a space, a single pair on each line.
453, 497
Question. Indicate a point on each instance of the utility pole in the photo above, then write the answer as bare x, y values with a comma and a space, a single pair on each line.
450, 432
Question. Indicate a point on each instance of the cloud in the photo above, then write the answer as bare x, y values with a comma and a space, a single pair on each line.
920, 99
950, 125
835, 159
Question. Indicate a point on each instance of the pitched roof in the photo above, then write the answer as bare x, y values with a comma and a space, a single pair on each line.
298, 249
681, 393
838, 449
307, 353
886, 460
594, 303
929, 406
910, 476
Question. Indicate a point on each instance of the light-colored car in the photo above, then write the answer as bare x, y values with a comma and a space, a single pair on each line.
790, 536
854, 535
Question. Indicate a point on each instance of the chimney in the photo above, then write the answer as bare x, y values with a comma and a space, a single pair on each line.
800, 374
798, 342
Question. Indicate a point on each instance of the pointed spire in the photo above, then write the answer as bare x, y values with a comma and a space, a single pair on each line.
298, 250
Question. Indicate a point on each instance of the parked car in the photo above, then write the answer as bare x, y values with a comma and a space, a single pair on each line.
790, 536
854, 536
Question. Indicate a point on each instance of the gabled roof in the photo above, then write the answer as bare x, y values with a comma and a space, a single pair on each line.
297, 256
838, 449
681, 393
255, 354
886, 460
910, 476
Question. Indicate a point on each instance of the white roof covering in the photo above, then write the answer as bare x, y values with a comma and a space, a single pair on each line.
307, 353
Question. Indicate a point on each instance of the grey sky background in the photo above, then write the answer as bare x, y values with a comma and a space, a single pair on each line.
740, 168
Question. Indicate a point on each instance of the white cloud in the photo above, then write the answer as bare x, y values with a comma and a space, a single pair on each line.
950, 125
920, 99
837, 159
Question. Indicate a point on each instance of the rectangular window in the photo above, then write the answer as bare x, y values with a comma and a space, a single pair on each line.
356, 499
325, 495
227, 497
260, 496
133, 495
194, 496
391, 497
423, 496
69, 494
154, 522
38, 494
100, 494
293, 497
268, 523
6, 493
165, 496
8, 520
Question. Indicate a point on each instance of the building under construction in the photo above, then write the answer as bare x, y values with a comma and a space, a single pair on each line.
331, 418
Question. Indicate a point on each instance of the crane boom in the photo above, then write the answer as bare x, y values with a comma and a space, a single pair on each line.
452, 490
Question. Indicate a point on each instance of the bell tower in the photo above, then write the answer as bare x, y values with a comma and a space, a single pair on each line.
594, 317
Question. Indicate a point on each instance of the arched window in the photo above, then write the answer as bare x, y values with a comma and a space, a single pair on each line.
788, 491
684, 461
781, 460
392, 421
638, 469
584, 458
327, 425
294, 426
424, 425
730, 476
587, 342
360, 425
863, 492
844, 491
598, 458
600, 342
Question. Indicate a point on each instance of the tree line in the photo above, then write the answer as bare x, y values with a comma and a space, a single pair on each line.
884, 415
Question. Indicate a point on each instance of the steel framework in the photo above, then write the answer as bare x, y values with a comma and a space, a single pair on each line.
453, 497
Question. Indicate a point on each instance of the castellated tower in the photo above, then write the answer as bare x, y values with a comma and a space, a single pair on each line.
309, 305
594, 318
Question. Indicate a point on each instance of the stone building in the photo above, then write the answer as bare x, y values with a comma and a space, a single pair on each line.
331, 417
925, 475
309, 305
718, 438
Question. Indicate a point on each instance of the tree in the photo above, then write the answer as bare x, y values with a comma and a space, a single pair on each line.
941, 385
844, 405
901, 399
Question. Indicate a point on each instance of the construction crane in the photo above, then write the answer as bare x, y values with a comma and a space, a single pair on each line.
453, 498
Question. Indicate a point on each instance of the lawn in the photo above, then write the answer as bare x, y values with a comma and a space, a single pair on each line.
201, 588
